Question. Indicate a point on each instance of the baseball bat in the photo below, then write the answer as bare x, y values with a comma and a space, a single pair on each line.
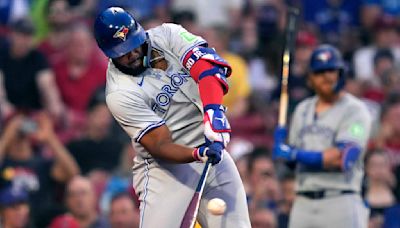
290, 34
189, 218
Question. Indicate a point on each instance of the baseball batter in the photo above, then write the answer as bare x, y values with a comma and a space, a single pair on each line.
165, 87
327, 140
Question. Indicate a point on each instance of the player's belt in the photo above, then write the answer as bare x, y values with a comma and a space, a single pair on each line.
324, 193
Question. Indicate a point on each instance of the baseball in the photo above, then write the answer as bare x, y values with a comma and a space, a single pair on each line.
216, 206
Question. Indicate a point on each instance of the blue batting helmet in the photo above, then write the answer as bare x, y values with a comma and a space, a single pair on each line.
327, 57
117, 32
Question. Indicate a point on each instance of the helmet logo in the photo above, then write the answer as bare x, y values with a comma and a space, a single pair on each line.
121, 33
324, 56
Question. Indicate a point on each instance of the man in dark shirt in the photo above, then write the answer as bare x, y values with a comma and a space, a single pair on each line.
21, 162
97, 150
25, 77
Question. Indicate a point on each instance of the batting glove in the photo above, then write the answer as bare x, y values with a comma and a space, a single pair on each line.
216, 125
284, 151
214, 152
280, 134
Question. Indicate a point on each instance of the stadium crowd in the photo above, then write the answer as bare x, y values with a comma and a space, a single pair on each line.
64, 162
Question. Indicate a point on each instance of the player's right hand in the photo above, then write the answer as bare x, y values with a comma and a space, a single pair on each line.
214, 152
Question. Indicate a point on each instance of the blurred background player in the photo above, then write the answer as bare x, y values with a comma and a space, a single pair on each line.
327, 140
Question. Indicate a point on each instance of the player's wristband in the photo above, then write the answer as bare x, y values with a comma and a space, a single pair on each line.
312, 159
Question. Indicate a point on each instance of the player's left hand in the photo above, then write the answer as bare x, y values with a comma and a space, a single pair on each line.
283, 151
214, 152
216, 125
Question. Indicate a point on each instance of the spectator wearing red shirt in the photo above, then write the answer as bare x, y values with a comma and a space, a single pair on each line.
81, 71
389, 134
59, 20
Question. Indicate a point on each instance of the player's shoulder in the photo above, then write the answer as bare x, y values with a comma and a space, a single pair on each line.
164, 29
120, 84
351, 101
306, 103
354, 106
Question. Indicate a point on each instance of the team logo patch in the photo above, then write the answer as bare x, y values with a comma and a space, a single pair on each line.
189, 37
324, 56
357, 130
121, 33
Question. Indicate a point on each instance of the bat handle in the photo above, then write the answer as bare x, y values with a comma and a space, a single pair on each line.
204, 174
189, 218
283, 107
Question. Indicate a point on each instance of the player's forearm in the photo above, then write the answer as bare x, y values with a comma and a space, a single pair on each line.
328, 159
173, 152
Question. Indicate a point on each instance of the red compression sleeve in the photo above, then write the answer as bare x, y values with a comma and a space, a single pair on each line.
210, 91
210, 88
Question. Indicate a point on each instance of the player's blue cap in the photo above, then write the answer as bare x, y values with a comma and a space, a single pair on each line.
326, 57
117, 32
12, 195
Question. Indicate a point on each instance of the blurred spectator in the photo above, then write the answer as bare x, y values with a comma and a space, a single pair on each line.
372, 9
140, 9
383, 61
237, 101
83, 8
81, 203
14, 207
271, 18
188, 21
332, 18
262, 218
389, 132
25, 78
64, 221
385, 37
126, 161
247, 44
23, 165
288, 195
58, 20
391, 81
96, 149
150, 23
265, 191
124, 213
380, 182
13, 10
210, 13
81, 71
242, 165
263, 80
